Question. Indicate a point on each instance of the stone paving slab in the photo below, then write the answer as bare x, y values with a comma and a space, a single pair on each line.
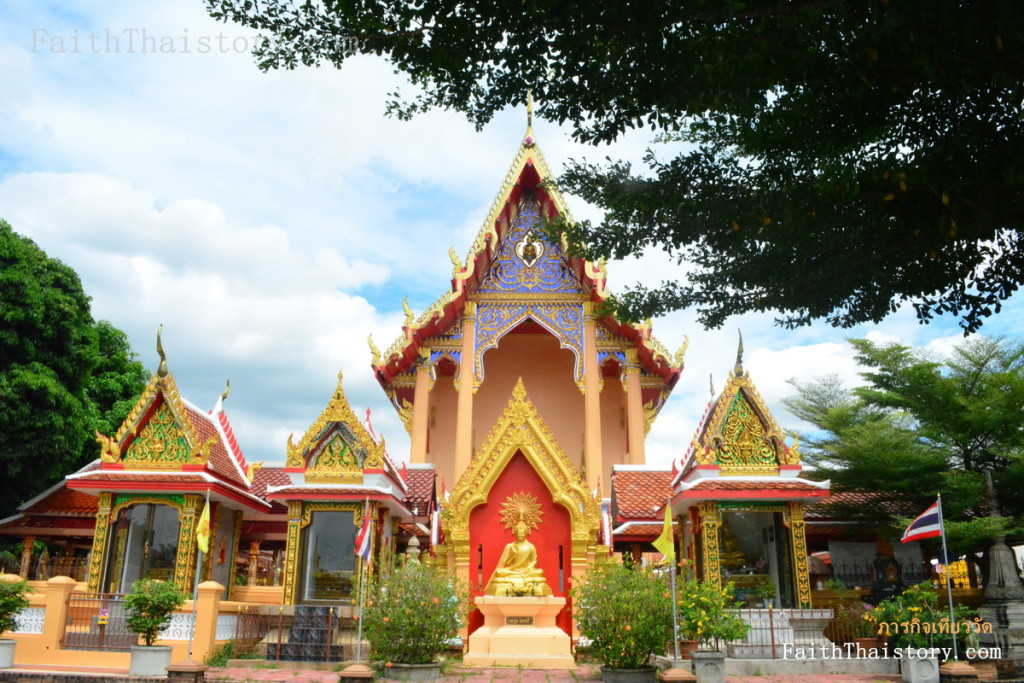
583, 672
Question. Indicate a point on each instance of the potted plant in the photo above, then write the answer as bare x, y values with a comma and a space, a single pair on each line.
765, 590
706, 615
413, 612
626, 614
12, 601
148, 610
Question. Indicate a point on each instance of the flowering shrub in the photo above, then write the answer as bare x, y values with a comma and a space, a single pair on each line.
851, 620
914, 619
411, 613
705, 614
625, 612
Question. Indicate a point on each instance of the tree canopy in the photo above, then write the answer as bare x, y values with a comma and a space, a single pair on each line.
922, 425
62, 375
841, 158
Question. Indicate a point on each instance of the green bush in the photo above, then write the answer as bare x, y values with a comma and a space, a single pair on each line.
626, 613
706, 614
149, 606
12, 601
411, 614
222, 655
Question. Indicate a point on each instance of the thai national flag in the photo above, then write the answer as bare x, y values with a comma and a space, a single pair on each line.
364, 536
927, 525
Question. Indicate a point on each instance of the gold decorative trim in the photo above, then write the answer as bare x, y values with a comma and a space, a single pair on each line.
100, 541
337, 410
308, 508
291, 553
521, 429
794, 519
519, 297
185, 565
710, 523
127, 501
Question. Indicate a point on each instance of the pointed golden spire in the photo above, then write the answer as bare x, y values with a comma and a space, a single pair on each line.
738, 370
711, 384
227, 390
529, 110
162, 370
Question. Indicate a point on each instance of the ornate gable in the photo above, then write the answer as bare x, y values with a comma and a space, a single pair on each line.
336, 448
521, 429
158, 432
527, 264
740, 434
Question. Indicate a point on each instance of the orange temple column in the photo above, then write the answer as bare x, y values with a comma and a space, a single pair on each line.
634, 410
591, 399
467, 379
421, 408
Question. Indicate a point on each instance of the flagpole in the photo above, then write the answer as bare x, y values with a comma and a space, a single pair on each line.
675, 619
362, 593
195, 583
949, 585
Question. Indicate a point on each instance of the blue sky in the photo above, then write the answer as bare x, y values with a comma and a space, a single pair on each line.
272, 221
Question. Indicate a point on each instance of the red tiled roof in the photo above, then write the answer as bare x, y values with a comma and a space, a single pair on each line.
726, 485
639, 530
268, 476
65, 501
79, 524
640, 494
220, 462
295, 492
421, 486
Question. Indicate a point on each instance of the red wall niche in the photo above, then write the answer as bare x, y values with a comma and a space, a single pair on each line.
488, 536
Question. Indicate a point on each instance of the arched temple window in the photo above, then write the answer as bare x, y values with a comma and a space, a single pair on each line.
144, 545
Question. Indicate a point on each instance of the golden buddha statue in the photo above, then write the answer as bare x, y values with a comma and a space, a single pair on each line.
517, 573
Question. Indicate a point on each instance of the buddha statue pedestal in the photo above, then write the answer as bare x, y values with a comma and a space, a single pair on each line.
520, 631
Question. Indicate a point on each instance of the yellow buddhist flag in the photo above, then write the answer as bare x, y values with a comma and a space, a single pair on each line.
203, 529
664, 543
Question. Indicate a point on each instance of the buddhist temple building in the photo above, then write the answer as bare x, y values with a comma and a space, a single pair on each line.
527, 409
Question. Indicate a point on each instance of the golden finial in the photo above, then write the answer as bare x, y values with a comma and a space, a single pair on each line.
738, 370
375, 360
409, 317
682, 351
456, 263
162, 370
529, 108
227, 390
711, 384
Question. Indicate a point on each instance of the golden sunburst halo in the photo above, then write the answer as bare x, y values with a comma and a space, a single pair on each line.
521, 507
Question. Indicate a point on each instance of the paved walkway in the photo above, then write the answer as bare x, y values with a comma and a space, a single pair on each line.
583, 672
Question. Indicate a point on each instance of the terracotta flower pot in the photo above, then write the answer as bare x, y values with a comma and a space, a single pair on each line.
686, 648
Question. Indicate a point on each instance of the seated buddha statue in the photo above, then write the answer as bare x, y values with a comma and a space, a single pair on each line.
517, 573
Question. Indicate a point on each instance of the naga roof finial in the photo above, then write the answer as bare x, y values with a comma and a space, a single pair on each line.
374, 351
162, 370
738, 370
711, 384
682, 351
227, 390
409, 317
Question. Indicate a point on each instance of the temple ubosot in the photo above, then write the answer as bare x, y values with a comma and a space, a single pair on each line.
527, 411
